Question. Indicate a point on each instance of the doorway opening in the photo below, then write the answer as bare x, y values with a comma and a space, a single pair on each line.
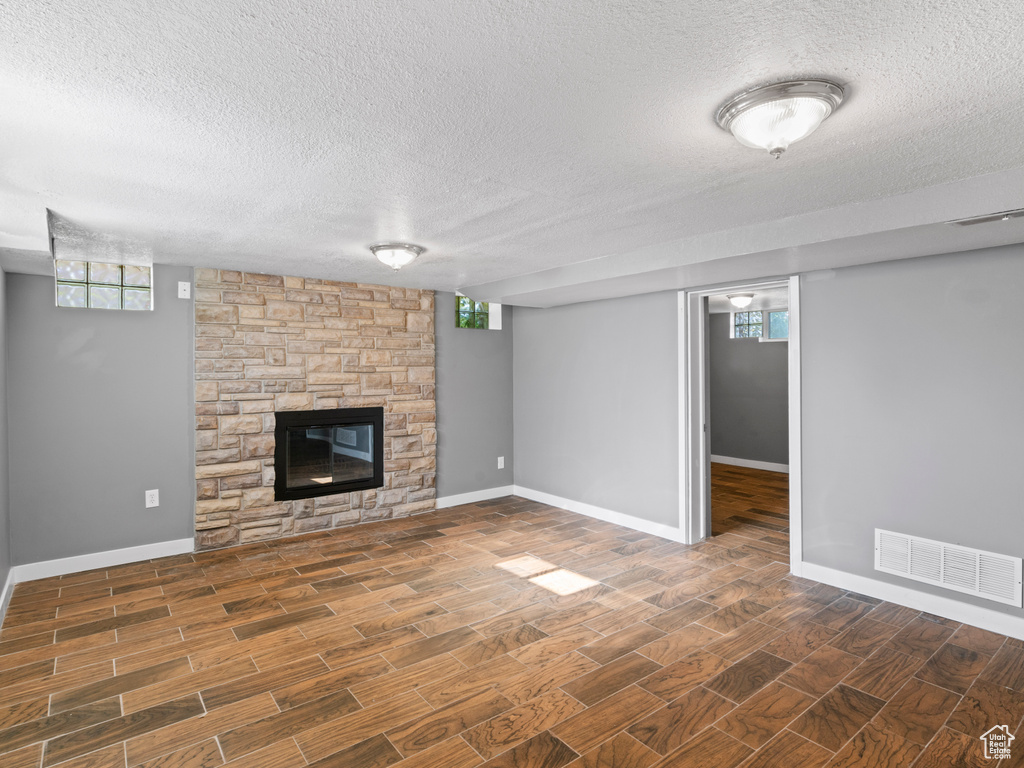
740, 415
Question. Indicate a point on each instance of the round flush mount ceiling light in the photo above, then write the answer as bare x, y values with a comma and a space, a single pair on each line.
774, 116
740, 300
396, 255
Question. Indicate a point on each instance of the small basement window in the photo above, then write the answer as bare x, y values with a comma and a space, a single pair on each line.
476, 314
747, 325
763, 325
97, 285
778, 326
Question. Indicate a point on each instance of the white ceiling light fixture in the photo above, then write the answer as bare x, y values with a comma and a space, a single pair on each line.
396, 255
774, 116
740, 300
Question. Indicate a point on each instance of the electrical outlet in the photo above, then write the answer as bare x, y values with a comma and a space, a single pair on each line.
152, 498
501, 462
184, 290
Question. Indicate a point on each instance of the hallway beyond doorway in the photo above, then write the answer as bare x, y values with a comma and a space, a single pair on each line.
744, 496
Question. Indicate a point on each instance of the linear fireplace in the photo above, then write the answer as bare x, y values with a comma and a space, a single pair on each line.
317, 453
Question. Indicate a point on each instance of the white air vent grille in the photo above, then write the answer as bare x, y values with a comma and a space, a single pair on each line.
986, 574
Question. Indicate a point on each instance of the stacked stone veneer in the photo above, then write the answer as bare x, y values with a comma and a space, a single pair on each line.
266, 343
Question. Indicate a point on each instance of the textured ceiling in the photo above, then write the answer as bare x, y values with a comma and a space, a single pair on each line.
548, 152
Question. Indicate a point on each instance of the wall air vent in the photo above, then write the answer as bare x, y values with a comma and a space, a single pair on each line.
989, 217
985, 574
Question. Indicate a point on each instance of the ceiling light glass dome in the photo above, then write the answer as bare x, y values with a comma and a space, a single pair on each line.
396, 255
774, 116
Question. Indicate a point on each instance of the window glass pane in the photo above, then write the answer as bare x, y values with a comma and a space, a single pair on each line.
754, 331
465, 319
104, 273
739, 325
104, 297
71, 270
137, 298
481, 306
100, 285
778, 325
136, 275
71, 296
755, 317
481, 320
465, 304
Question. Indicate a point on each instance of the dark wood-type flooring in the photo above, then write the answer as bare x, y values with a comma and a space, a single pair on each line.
507, 634
742, 496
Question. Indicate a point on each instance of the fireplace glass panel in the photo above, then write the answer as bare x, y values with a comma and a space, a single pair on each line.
325, 455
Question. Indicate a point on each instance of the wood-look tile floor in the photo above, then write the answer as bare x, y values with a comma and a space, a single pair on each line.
742, 496
505, 633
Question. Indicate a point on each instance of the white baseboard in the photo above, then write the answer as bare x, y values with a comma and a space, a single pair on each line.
986, 618
950, 608
47, 568
607, 515
474, 496
5, 596
750, 463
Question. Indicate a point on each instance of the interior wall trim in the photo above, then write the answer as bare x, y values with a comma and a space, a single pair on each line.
5, 596
750, 463
66, 565
694, 407
600, 513
949, 608
472, 497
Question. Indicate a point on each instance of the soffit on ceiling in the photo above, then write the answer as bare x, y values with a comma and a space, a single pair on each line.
509, 139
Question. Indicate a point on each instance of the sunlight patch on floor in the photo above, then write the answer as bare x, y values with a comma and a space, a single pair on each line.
526, 566
547, 575
563, 582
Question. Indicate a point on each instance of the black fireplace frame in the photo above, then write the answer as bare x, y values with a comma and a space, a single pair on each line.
336, 417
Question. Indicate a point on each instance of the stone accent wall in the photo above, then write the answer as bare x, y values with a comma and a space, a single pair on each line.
266, 343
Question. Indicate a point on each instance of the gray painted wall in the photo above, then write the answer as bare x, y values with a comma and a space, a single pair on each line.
474, 402
913, 408
749, 393
596, 404
5, 521
101, 410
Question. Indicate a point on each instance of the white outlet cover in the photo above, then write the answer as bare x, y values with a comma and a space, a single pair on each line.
501, 462
184, 290
152, 498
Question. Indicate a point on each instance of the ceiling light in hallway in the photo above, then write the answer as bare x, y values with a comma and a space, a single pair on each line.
741, 300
